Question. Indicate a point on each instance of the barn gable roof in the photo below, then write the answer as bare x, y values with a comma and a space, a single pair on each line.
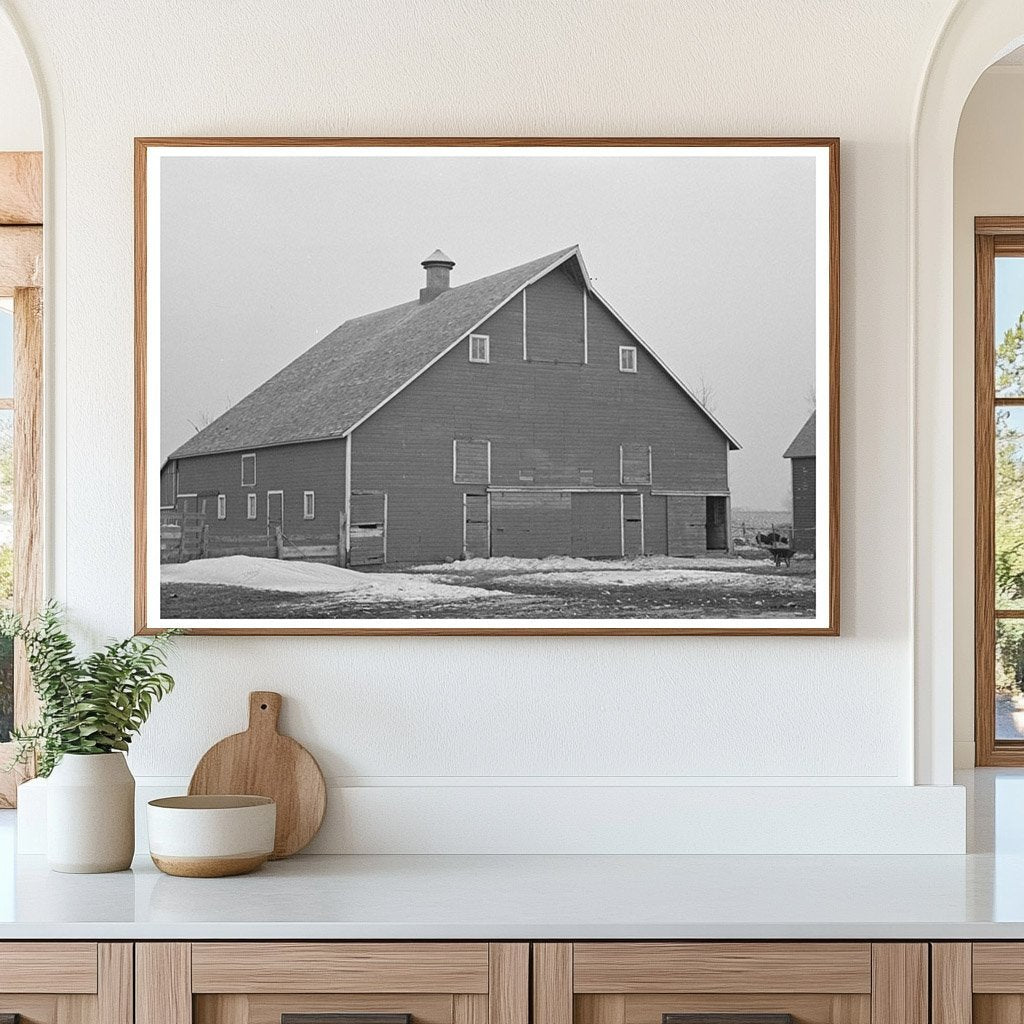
804, 444
343, 379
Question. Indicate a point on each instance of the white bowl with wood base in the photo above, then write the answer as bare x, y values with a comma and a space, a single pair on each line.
211, 836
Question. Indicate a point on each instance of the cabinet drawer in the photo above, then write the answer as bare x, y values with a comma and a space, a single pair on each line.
634, 967
66, 967
332, 983
730, 983
66, 982
340, 967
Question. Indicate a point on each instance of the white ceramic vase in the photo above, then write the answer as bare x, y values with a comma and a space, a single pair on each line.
90, 814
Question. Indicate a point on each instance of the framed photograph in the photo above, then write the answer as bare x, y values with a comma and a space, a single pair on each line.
504, 386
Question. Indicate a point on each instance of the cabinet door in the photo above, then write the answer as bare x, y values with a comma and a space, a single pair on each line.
66, 982
979, 982
730, 983
332, 983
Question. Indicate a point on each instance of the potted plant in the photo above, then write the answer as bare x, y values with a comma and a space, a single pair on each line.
89, 710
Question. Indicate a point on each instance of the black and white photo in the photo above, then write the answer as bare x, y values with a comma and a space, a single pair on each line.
487, 387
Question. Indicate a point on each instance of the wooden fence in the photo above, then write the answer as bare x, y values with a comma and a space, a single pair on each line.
184, 537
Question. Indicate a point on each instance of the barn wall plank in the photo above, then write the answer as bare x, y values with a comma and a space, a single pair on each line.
804, 513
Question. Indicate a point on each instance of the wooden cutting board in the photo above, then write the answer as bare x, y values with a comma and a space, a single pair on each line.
262, 762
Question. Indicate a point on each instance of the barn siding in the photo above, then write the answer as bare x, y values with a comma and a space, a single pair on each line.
686, 526
167, 489
317, 466
554, 320
531, 524
804, 504
555, 424
595, 525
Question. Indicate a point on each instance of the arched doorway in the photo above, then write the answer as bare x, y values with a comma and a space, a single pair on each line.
976, 34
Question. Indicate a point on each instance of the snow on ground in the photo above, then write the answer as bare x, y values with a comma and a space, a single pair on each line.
313, 577
675, 577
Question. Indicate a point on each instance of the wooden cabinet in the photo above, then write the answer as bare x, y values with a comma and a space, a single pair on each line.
979, 982
66, 982
758, 982
263, 982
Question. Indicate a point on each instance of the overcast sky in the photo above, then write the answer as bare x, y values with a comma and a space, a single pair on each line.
710, 260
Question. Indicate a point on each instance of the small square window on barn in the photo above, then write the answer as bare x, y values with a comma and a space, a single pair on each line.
635, 463
479, 348
250, 506
627, 359
471, 462
249, 470
222, 506
308, 504
526, 476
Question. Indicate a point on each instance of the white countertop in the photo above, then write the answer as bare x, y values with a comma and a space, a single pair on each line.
497, 897
978, 896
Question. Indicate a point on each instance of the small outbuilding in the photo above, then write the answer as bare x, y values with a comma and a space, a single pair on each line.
801, 454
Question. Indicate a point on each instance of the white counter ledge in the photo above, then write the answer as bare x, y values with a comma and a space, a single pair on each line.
540, 897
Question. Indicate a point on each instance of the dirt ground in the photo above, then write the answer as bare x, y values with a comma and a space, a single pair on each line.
555, 588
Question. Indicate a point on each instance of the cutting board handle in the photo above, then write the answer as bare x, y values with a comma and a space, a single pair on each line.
264, 710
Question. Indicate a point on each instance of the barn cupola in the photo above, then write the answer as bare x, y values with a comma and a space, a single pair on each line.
438, 267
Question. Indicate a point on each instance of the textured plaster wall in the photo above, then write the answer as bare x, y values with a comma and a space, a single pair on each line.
813, 711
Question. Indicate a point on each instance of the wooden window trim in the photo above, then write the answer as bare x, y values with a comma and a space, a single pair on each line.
623, 349
249, 455
994, 236
455, 459
309, 511
251, 510
486, 339
269, 493
21, 277
222, 506
622, 469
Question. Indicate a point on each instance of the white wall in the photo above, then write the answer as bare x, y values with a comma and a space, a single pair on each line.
434, 716
21, 127
987, 181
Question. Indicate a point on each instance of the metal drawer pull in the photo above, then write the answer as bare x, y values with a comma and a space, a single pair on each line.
727, 1018
339, 1018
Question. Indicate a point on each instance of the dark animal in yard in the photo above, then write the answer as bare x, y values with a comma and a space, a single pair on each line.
777, 545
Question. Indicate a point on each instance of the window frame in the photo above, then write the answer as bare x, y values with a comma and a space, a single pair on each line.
455, 459
251, 509
26, 405
623, 349
310, 511
486, 339
222, 506
649, 482
249, 455
993, 237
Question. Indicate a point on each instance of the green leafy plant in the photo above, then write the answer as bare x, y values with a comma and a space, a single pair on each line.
90, 705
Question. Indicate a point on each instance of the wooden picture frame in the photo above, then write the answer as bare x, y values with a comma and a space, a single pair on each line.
184, 525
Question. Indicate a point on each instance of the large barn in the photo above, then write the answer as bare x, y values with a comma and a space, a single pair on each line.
514, 415
801, 454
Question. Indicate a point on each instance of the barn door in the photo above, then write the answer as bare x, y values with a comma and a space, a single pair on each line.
717, 533
686, 520
632, 511
476, 526
275, 512
368, 532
